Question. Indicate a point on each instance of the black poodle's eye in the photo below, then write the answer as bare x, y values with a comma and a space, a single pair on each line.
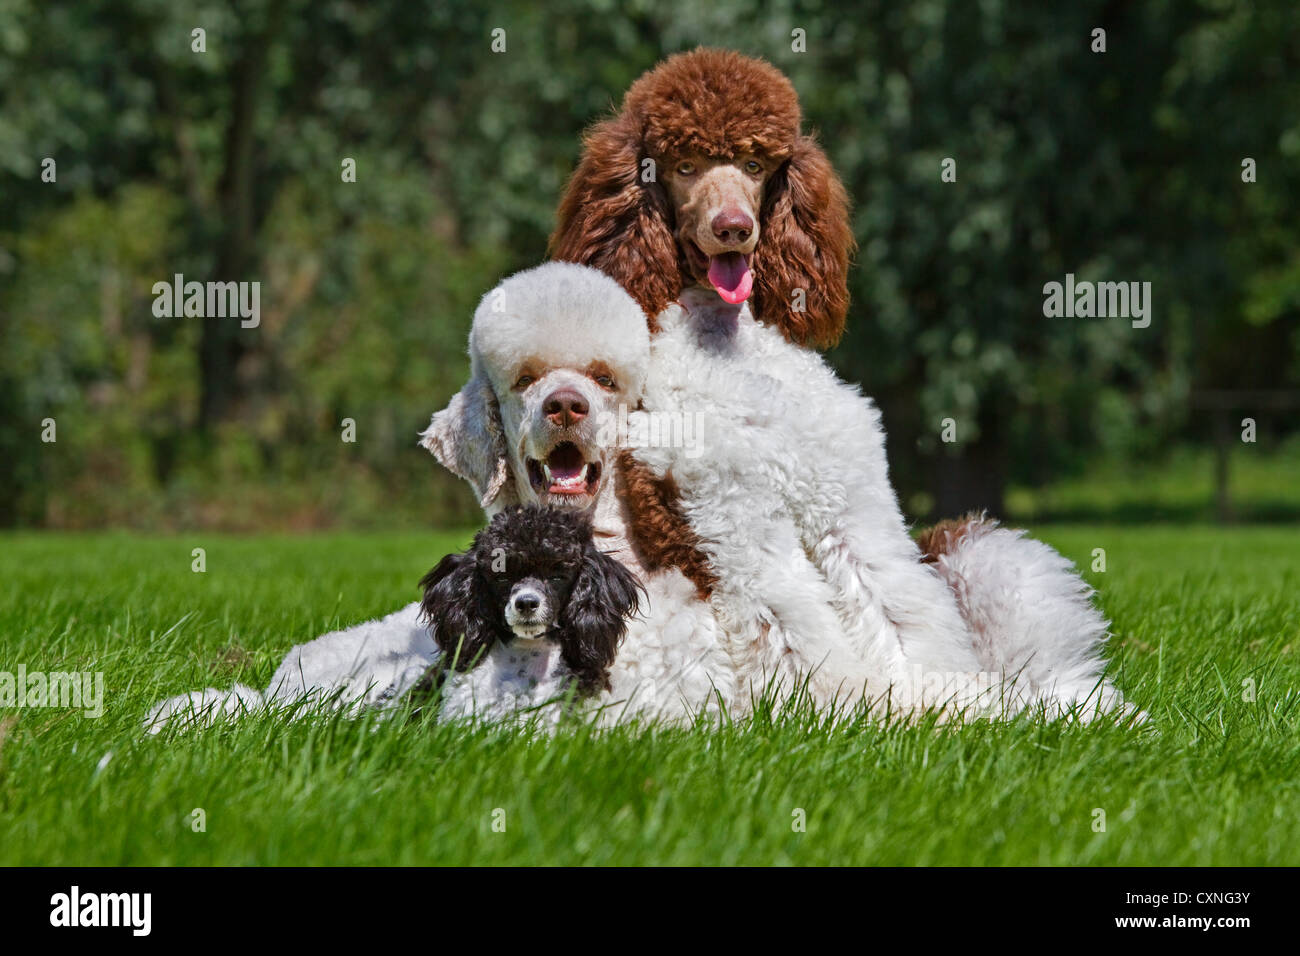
686, 168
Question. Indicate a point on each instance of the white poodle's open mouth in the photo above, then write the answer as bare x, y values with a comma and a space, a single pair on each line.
566, 472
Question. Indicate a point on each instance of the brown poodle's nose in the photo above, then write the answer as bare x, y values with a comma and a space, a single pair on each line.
732, 226
565, 407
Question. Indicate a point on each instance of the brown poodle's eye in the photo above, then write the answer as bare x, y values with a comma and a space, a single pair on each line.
753, 167
524, 381
686, 169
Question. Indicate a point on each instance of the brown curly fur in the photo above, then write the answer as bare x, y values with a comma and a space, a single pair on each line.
946, 536
657, 529
718, 104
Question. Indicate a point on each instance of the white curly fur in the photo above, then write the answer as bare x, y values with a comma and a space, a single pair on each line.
1032, 618
672, 664
819, 579
789, 490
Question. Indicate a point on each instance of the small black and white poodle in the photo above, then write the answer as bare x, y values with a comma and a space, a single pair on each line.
533, 575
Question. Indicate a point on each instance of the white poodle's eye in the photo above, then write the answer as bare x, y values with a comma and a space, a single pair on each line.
605, 381
686, 169
524, 381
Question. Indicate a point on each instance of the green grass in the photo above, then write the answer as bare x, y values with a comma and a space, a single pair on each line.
1212, 778
1176, 486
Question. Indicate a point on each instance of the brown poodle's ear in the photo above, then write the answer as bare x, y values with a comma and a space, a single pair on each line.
802, 260
615, 216
467, 439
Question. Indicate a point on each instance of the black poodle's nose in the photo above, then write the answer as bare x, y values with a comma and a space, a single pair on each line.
527, 603
565, 407
732, 225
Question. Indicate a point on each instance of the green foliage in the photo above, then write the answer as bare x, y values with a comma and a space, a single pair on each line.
1178, 485
1123, 165
364, 319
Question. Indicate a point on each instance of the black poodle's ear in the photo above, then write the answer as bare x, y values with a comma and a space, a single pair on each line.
605, 595
459, 610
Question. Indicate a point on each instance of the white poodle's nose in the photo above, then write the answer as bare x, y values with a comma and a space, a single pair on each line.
565, 407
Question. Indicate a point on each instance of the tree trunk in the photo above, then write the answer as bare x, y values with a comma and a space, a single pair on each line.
1222, 450
223, 341
971, 477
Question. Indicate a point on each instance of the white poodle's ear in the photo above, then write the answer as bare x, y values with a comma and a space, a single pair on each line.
467, 439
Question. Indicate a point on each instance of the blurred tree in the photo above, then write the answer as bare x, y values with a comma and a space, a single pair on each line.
226, 164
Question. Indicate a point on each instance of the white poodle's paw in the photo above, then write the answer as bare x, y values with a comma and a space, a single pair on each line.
202, 708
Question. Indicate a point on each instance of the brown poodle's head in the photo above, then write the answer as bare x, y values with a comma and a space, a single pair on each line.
704, 179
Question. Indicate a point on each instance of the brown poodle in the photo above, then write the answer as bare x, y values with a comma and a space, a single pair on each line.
704, 178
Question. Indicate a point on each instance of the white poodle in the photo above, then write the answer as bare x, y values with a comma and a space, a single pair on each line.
789, 493
555, 352
787, 488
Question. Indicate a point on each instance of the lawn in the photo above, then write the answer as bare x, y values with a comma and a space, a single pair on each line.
1201, 615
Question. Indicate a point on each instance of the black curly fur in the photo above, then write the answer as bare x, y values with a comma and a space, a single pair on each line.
465, 595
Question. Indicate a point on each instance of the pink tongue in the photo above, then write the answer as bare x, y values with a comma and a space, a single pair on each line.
566, 463
730, 275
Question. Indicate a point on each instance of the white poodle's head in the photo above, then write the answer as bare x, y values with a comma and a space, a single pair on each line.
554, 352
